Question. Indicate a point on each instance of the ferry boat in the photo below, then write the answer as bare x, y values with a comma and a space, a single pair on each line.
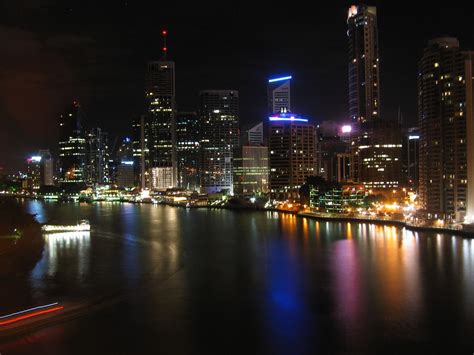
82, 226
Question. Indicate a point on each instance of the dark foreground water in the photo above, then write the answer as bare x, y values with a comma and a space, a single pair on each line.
175, 281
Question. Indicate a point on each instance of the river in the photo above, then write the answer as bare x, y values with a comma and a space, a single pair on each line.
177, 281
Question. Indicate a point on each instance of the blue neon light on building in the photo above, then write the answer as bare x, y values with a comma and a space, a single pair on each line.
288, 117
280, 79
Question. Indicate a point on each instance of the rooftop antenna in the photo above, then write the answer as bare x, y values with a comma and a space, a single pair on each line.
164, 33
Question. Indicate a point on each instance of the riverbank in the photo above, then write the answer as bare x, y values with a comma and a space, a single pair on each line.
465, 232
388, 221
342, 218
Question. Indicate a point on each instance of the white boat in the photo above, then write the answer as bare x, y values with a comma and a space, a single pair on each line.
82, 226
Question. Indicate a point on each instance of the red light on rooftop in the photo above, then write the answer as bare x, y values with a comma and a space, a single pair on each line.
164, 32
165, 49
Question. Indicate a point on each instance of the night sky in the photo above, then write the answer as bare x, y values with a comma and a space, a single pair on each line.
55, 51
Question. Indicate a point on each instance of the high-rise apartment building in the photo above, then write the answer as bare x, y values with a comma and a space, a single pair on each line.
292, 158
219, 118
445, 114
364, 82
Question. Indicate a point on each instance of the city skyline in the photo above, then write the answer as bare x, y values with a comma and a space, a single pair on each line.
80, 56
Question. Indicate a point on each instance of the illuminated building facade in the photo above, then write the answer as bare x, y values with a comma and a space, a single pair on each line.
72, 146
252, 134
47, 167
141, 151
33, 173
279, 95
125, 165
187, 131
125, 174
97, 167
328, 145
219, 118
161, 178
364, 92
344, 167
377, 155
337, 199
410, 159
292, 158
445, 114
160, 94
250, 165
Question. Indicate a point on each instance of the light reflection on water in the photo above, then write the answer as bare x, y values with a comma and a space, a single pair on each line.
301, 284
69, 250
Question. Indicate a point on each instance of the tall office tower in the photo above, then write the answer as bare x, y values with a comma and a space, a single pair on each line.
47, 167
292, 143
410, 158
252, 134
141, 151
72, 147
328, 145
97, 166
125, 151
377, 155
250, 166
187, 132
364, 82
279, 98
219, 117
445, 114
125, 164
344, 167
33, 173
160, 94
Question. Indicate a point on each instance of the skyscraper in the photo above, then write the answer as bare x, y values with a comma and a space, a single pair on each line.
377, 154
47, 167
187, 132
328, 145
445, 114
250, 166
219, 116
410, 159
364, 93
279, 95
160, 93
252, 134
141, 151
292, 143
72, 146
34, 173
97, 167
125, 164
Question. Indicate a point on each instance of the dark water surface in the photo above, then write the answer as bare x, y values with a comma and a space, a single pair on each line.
176, 281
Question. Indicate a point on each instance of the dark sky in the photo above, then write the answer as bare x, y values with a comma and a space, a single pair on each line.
54, 51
